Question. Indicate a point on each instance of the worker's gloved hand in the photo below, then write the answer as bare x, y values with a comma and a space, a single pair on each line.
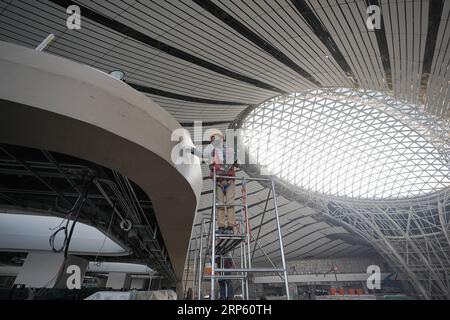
217, 142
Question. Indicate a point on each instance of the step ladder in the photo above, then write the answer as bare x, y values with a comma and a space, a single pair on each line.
212, 246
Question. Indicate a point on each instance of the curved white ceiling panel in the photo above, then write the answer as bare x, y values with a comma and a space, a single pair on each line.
20, 232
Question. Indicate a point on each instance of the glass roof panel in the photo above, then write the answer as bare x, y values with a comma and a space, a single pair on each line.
344, 142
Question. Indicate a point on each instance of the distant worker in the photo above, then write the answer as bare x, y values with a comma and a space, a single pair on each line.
223, 161
225, 285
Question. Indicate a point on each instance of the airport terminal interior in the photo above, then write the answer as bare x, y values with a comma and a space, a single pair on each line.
225, 150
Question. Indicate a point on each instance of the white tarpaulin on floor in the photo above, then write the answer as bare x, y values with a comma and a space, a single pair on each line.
134, 295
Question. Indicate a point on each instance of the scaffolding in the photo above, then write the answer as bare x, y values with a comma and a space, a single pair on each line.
211, 246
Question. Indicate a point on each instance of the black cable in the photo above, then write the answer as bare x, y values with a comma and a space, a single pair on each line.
53, 236
69, 237
64, 228
68, 234
81, 204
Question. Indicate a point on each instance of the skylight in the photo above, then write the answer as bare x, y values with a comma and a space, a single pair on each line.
343, 142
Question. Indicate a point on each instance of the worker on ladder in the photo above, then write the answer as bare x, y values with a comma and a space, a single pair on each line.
223, 161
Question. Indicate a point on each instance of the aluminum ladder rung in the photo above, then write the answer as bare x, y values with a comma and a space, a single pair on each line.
229, 205
229, 236
225, 276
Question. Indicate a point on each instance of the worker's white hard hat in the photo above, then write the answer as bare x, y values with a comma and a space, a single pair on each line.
214, 132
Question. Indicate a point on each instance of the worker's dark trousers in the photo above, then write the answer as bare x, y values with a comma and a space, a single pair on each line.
226, 289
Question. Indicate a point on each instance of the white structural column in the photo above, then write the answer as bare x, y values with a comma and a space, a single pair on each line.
40, 270
138, 283
43, 270
118, 280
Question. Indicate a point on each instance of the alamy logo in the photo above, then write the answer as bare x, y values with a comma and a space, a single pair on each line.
74, 278
374, 280
374, 20
73, 22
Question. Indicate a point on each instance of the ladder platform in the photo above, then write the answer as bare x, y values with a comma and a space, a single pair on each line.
227, 242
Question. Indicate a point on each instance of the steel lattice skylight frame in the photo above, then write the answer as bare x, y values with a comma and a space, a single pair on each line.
351, 143
410, 230
412, 235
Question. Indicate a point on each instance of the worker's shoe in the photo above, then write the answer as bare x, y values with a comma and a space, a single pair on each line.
229, 230
221, 231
